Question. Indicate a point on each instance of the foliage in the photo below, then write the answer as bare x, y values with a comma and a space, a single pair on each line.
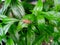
40, 26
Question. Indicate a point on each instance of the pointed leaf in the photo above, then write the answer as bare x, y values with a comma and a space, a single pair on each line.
6, 4
17, 10
21, 25
38, 40
1, 30
6, 28
10, 42
29, 17
40, 22
6, 19
38, 8
30, 36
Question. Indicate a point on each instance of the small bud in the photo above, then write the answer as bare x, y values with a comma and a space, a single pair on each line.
27, 21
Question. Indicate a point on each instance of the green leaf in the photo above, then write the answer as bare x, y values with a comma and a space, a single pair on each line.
18, 10
54, 43
57, 5
6, 28
50, 15
39, 40
30, 36
40, 22
10, 42
38, 8
0, 1
56, 2
0, 39
56, 29
1, 30
53, 17
21, 25
7, 20
34, 29
6, 4
2, 16
21, 8
29, 17
49, 29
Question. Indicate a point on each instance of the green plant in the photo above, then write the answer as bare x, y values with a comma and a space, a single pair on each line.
41, 26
